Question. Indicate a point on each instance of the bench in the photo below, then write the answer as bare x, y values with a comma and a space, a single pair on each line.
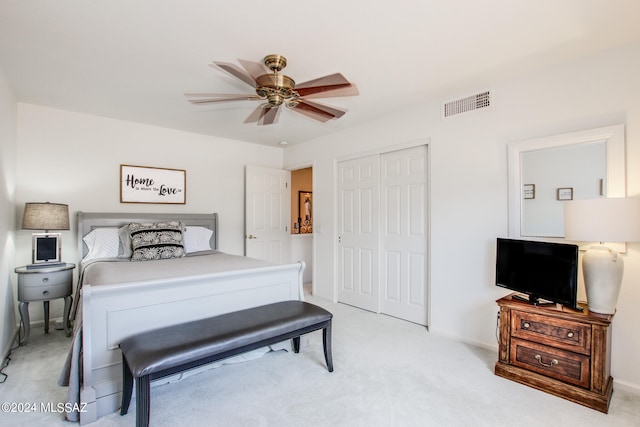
167, 351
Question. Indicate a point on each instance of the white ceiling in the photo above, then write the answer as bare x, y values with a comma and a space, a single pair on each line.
134, 59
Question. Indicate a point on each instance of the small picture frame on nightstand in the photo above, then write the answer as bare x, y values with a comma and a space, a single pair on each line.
46, 250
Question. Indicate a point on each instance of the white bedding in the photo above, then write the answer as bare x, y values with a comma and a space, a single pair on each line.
119, 271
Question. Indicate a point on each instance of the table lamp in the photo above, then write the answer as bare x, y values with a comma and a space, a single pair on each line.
46, 247
602, 220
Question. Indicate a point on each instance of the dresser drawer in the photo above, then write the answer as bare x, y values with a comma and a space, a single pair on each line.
43, 293
560, 333
562, 365
45, 279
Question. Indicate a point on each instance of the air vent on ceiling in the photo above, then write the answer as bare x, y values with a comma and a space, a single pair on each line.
470, 103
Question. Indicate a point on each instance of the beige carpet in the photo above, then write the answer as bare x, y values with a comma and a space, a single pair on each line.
387, 373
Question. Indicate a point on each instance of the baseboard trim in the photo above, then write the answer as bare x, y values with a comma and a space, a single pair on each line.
442, 333
626, 386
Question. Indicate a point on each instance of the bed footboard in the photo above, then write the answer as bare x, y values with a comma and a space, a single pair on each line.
111, 313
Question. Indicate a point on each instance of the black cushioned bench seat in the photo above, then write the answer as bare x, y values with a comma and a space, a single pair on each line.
166, 351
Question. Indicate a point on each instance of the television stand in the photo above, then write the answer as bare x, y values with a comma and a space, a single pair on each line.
563, 352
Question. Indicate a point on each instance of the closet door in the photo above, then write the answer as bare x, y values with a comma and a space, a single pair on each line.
358, 232
403, 204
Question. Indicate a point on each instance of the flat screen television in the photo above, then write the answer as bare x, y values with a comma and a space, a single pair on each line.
545, 271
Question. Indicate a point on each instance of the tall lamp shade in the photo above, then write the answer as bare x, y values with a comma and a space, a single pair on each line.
46, 247
602, 220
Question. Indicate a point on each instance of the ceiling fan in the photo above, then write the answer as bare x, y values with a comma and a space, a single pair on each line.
277, 90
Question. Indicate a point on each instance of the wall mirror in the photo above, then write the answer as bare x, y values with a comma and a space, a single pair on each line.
545, 172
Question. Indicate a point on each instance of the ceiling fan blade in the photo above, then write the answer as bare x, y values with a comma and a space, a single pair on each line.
255, 69
255, 115
264, 115
329, 80
314, 116
332, 85
329, 91
270, 116
220, 98
318, 111
224, 95
235, 71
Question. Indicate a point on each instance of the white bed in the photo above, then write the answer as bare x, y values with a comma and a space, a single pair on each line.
111, 312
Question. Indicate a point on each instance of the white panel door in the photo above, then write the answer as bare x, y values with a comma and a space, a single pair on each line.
267, 212
403, 184
358, 232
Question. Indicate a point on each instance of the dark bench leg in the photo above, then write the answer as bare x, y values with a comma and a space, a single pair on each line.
127, 387
326, 341
143, 401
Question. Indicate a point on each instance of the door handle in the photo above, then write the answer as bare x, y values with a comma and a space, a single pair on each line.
251, 236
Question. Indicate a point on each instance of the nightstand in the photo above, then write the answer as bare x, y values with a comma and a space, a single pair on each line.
44, 284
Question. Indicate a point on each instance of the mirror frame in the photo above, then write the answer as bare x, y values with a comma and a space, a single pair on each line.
613, 136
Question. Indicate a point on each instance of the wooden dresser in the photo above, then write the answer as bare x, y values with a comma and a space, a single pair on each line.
557, 350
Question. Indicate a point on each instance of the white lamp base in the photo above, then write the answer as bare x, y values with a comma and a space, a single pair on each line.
602, 269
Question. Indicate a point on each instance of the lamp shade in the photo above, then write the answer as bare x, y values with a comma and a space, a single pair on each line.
602, 220
45, 216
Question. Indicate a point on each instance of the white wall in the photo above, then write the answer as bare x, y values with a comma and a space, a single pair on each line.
8, 114
468, 185
74, 158
302, 250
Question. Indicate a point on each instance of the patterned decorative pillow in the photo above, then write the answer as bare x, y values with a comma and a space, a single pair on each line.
159, 240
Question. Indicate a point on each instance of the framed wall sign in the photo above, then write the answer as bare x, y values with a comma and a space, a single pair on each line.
142, 184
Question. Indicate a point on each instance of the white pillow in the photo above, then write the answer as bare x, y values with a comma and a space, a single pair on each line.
197, 238
102, 243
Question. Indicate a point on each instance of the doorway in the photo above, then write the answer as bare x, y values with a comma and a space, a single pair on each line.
302, 222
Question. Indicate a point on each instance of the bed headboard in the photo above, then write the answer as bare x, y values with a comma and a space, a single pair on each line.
88, 221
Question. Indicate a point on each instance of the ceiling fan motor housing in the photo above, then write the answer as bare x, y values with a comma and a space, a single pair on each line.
276, 88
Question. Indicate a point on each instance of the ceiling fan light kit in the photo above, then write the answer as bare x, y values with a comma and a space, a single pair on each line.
278, 89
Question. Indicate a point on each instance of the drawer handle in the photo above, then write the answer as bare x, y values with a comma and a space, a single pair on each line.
570, 335
46, 279
526, 325
45, 293
547, 365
